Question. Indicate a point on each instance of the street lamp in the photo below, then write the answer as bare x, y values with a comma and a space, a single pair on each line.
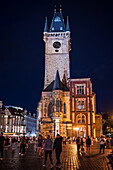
76, 129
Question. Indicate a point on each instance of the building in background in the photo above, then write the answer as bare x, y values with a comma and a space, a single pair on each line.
30, 123
82, 106
98, 123
66, 103
55, 111
17, 121
12, 120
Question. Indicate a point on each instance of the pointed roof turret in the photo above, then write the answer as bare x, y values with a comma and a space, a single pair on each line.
46, 27
57, 24
57, 85
64, 79
67, 25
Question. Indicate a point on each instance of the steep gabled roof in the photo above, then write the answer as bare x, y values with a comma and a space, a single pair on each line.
57, 24
56, 85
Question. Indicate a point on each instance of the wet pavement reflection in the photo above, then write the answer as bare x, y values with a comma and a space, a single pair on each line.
69, 158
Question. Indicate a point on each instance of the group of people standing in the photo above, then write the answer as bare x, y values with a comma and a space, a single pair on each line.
6, 142
106, 143
80, 143
49, 146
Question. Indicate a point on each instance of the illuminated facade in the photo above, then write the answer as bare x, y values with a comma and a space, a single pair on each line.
30, 122
82, 106
98, 123
65, 103
15, 120
12, 121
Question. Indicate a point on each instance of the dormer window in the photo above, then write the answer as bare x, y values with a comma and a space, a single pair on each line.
57, 19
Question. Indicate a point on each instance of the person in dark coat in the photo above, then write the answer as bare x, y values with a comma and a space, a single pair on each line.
82, 143
58, 148
6, 142
22, 146
2, 140
88, 143
78, 142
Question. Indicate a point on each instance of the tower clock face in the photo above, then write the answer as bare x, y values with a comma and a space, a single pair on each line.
57, 44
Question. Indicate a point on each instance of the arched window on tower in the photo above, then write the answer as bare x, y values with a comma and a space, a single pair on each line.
45, 109
81, 118
57, 105
50, 109
78, 119
64, 109
60, 105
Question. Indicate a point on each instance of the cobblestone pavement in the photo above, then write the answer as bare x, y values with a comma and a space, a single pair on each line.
69, 158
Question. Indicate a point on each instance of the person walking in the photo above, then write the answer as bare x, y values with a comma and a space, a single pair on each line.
6, 142
13, 143
48, 147
40, 145
111, 142
78, 145
22, 146
82, 143
88, 144
102, 144
107, 143
58, 149
2, 140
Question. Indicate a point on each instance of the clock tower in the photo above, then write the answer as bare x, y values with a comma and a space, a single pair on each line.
57, 48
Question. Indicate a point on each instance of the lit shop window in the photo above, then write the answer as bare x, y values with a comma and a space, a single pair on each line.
80, 90
80, 104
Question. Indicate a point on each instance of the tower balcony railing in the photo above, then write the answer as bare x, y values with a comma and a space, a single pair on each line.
59, 34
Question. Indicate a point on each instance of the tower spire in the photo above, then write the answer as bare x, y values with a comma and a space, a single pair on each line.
64, 81
56, 85
60, 8
67, 25
46, 27
55, 9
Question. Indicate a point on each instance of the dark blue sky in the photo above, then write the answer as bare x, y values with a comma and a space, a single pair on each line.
22, 48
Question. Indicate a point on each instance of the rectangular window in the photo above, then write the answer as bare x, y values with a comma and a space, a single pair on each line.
80, 104
80, 90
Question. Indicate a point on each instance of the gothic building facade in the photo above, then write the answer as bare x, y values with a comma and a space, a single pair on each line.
65, 103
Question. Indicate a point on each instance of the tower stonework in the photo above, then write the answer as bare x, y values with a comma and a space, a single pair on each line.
57, 47
67, 106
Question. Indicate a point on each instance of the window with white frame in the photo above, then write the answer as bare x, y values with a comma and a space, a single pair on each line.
80, 90
80, 104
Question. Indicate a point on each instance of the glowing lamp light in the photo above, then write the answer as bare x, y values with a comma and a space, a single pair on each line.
6, 116
75, 128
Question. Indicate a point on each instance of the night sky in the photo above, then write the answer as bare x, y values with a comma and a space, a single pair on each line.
22, 48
